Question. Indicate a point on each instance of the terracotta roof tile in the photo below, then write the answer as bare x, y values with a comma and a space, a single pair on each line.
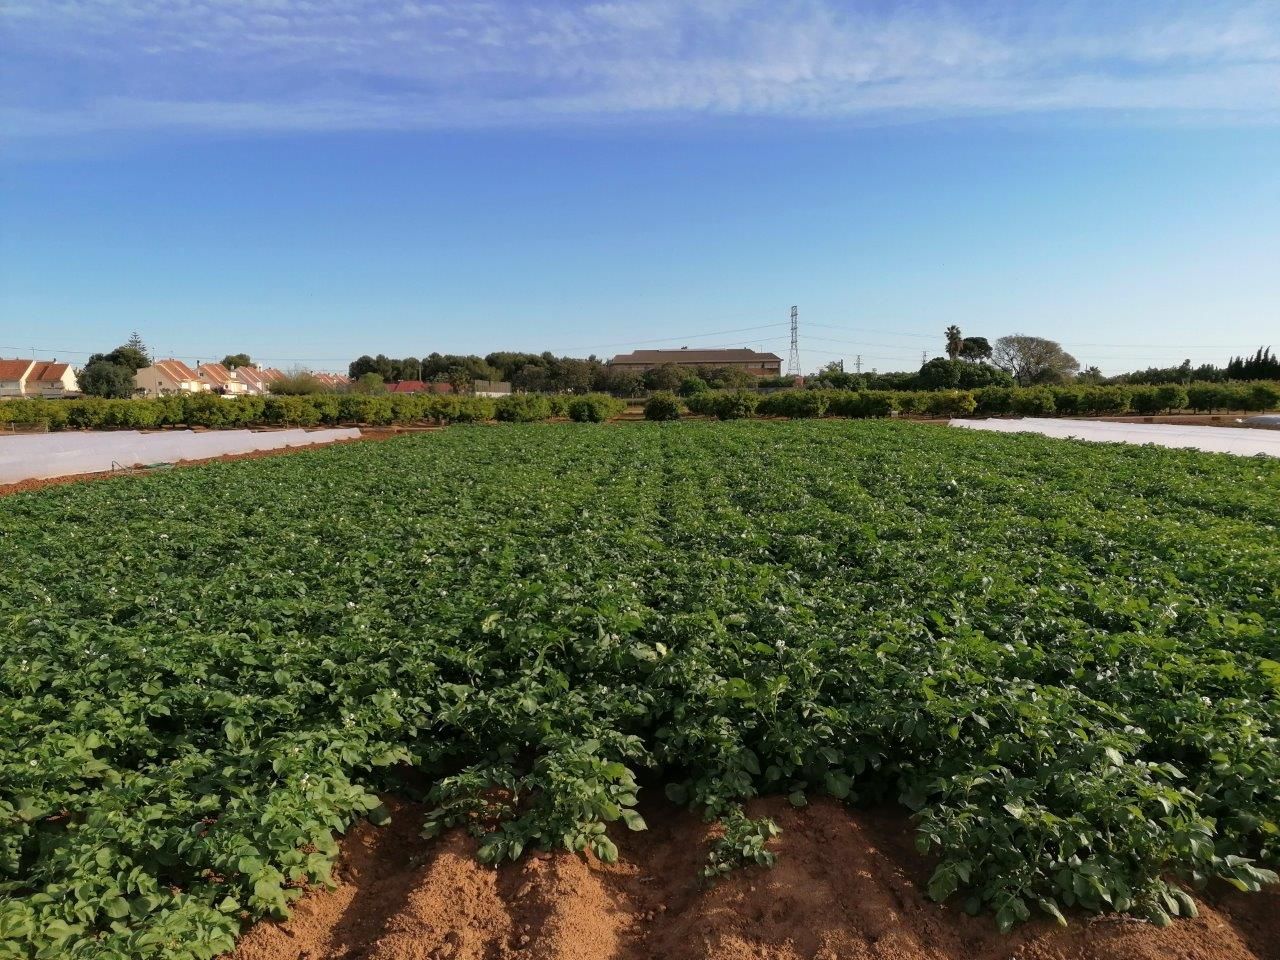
14, 369
176, 370
214, 372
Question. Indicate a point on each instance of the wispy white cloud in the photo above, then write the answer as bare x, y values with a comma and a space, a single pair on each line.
260, 65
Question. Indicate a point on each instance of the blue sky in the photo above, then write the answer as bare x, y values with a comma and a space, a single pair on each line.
308, 180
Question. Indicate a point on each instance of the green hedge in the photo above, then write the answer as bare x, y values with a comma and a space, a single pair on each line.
522, 408
663, 405
208, 410
1074, 400
594, 408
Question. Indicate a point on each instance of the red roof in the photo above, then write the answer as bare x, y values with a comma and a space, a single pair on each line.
250, 376
407, 386
14, 369
176, 370
215, 372
419, 386
47, 372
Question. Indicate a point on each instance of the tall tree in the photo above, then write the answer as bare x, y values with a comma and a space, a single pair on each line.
1033, 360
102, 378
955, 341
233, 360
135, 342
976, 349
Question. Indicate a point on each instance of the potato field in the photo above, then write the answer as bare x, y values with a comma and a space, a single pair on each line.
1062, 659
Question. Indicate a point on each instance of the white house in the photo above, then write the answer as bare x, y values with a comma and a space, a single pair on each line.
251, 381
167, 377
220, 380
37, 378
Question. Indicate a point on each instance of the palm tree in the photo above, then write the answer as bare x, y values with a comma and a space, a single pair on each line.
955, 341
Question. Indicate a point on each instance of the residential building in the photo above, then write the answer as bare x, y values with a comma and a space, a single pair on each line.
52, 379
168, 377
420, 386
252, 382
37, 378
219, 379
13, 377
751, 361
333, 381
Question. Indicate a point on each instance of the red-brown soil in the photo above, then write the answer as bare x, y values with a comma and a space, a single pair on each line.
847, 884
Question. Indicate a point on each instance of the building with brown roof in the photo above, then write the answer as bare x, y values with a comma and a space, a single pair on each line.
166, 378
751, 361
334, 381
219, 379
37, 378
252, 382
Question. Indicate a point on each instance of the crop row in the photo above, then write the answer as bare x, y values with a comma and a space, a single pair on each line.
210, 411
1061, 658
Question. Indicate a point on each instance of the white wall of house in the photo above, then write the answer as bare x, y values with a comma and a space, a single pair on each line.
154, 383
65, 386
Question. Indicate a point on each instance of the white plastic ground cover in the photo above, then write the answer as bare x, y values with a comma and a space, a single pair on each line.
1244, 443
37, 456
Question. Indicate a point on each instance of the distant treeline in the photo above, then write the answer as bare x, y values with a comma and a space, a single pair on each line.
547, 373
1014, 361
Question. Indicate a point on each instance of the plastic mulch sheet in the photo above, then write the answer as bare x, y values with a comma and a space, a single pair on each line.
34, 457
1242, 442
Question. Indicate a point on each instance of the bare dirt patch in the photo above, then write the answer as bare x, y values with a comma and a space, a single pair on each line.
847, 884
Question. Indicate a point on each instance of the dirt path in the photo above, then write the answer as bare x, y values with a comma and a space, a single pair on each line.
846, 885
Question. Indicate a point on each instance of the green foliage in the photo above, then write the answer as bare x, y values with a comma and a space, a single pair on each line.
744, 842
1060, 656
734, 405
298, 384
1033, 402
523, 408
951, 403
663, 405
798, 404
594, 408
103, 378
691, 385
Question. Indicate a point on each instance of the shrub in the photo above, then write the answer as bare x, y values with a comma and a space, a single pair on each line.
1261, 396
594, 408
663, 405
1033, 402
1172, 396
911, 401
951, 403
1144, 400
736, 404
795, 403
993, 401
1099, 401
702, 402
1208, 397
862, 403
522, 408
